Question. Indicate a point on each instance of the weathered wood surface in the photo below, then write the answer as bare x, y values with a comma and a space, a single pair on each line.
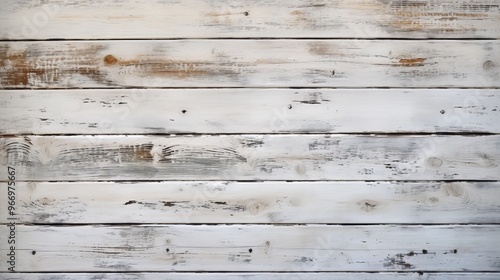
256, 202
144, 111
250, 63
254, 276
252, 157
255, 248
23, 19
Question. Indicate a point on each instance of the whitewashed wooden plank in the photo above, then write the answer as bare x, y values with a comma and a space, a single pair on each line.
255, 248
252, 157
88, 19
257, 202
250, 63
254, 276
139, 111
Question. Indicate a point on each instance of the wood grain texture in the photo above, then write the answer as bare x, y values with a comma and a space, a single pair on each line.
250, 63
256, 248
145, 111
252, 157
139, 19
256, 202
254, 276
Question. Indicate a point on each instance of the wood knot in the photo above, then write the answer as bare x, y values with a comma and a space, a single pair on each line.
110, 60
434, 162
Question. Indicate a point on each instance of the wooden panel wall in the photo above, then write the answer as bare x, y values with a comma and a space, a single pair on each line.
341, 139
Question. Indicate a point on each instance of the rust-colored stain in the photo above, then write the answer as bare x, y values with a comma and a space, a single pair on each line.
408, 62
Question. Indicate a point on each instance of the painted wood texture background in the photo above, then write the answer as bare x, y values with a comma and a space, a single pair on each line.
341, 139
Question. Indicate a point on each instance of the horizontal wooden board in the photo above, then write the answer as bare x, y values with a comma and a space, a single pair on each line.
139, 111
88, 19
254, 276
254, 248
259, 202
252, 157
250, 63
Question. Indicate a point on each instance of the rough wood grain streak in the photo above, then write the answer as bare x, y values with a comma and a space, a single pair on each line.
144, 111
89, 19
254, 276
266, 202
252, 157
256, 248
250, 63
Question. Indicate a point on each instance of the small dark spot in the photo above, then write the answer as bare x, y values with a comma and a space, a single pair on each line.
33, 253
455, 251
130, 202
168, 250
424, 251
333, 73
411, 253
43, 119
289, 106
246, 14
442, 112
250, 250
420, 273
110, 60
184, 111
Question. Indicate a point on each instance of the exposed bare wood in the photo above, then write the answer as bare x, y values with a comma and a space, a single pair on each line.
138, 111
250, 63
266, 202
255, 248
23, 19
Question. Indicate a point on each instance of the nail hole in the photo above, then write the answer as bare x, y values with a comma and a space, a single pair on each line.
289, 106
168, 250
250, 250
33, 252
333, 73
246, 14
424, 251
184, 111
455, 251
442, 112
